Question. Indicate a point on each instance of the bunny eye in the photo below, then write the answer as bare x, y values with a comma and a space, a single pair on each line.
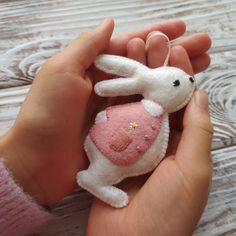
191, 79
176, 83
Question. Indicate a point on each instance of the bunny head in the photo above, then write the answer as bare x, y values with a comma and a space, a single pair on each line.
171, 87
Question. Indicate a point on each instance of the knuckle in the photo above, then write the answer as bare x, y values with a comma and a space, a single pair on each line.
207, 129
51, 64
83, 33
203, 175
204, 125
85, 36
209, 126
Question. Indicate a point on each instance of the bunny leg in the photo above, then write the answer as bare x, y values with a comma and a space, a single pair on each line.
101, 175
113, 196
109, 194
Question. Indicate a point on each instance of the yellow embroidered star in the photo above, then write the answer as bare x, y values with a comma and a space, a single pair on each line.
133, 125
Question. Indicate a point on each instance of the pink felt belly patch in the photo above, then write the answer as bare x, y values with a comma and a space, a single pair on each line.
127, 133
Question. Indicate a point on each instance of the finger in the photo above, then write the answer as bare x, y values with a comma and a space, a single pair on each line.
200, 63
157, 49
172, 28
195, 44
89, 44
179, 58
193, 153
136, 50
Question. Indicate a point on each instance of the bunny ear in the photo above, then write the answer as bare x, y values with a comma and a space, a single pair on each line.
117, 65
118, 87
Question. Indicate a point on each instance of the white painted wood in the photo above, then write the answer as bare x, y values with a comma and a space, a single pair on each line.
32, 31
219, 217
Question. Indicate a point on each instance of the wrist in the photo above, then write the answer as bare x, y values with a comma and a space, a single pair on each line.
23, 174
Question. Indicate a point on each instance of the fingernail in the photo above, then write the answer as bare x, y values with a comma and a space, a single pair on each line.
201, 99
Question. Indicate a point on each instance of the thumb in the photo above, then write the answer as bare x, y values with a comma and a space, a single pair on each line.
194, 150
89, 44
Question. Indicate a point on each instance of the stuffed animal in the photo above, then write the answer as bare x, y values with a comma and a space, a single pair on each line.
131, 139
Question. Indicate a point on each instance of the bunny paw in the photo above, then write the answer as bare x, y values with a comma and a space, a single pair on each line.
114, 196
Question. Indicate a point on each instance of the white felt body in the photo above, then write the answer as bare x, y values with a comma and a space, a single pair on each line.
102, 173
170, 87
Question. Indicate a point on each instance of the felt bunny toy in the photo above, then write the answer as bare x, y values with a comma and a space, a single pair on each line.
131, 139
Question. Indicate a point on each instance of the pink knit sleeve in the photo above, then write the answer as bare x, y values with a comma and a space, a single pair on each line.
19, 214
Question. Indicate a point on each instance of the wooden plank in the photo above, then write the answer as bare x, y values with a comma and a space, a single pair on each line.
219, 217
219, 81
32, 31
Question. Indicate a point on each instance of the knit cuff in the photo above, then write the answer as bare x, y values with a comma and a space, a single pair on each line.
19, 213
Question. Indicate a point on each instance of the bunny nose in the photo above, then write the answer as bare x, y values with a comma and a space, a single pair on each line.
191, 79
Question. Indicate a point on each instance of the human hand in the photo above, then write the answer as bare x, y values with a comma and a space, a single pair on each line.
171, 200
44, 148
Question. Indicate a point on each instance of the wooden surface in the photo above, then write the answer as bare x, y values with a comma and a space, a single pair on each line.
31, 31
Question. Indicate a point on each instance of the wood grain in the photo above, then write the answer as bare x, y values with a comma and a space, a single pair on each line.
32, 31
219, 217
